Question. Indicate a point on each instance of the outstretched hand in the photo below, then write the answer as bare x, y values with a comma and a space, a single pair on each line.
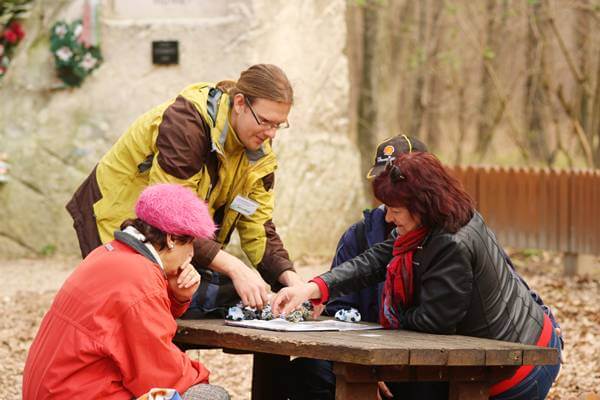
251, 288
289, 299
248, 284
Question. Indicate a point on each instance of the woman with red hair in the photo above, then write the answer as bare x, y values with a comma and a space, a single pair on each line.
444, 272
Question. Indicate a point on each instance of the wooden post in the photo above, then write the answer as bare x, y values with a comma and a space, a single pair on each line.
267, 383
355, 382
354, 390
570, 264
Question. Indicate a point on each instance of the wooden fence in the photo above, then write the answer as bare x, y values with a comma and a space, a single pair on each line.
538, 208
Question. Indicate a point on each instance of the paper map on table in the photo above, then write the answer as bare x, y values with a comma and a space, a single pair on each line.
279, 324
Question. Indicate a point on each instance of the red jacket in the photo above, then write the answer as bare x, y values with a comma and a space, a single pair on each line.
108, 333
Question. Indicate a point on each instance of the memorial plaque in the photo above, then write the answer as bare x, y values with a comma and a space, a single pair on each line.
165, 52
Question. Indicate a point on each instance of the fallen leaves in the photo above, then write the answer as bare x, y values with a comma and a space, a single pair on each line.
575, 302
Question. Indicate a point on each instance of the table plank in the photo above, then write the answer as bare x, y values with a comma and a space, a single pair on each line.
400, 373
361, 358
454, 349
301, 344
381, 347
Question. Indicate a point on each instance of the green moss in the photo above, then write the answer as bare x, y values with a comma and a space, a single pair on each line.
48, 250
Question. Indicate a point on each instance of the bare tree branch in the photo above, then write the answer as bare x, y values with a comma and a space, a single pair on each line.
579, 77
583, 140
504, 99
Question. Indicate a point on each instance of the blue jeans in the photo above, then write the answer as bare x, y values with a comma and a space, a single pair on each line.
538, 383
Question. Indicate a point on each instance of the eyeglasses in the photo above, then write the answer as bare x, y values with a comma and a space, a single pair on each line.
266, 124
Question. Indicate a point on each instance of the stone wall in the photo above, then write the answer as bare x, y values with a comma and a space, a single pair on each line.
55, 136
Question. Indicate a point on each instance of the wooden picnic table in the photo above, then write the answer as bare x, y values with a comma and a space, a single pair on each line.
361, 358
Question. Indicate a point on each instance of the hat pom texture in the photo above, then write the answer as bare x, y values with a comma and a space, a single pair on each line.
176, 210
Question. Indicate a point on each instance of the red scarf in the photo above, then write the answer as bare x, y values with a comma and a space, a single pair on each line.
397, 293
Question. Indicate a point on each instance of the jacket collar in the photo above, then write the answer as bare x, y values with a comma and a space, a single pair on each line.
134, 239
225, 140
229, 140
376, 228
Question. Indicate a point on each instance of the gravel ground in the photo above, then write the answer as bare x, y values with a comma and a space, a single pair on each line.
29, 286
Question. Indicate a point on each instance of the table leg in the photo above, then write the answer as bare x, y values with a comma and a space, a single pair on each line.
354, 382
354, 390
266, 376
469, 390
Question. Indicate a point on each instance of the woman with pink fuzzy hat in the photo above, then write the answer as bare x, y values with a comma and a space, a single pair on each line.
109, 331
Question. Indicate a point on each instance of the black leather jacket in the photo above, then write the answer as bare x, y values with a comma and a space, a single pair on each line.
463, 285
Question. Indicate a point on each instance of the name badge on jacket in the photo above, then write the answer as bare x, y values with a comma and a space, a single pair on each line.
244, 205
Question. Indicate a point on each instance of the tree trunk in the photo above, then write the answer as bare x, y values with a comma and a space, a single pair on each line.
595, 124
403, 20
462, 119
487, 106
421, 73
367, 104
535, 96
582, 49
434, 92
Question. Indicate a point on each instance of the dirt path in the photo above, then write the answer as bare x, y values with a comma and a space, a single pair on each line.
29, 286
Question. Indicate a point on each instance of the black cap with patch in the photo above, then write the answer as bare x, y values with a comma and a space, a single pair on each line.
390, 148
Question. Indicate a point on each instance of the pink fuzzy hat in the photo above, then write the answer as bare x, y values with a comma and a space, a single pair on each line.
176, 210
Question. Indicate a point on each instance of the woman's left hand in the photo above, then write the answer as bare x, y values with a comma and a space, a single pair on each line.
185, 283
290, 298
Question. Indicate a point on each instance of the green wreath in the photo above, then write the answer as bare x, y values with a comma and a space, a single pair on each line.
74, 60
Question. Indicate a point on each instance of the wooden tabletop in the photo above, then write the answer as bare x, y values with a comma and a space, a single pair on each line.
374, 347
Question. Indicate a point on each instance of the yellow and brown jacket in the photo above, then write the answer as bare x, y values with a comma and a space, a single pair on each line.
188, 141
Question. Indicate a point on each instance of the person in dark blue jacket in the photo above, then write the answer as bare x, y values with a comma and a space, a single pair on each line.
359, 237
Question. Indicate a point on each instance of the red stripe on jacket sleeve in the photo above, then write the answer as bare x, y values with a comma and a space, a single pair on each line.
324, 291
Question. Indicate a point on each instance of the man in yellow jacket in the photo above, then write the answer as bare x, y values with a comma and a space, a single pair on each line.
215, 140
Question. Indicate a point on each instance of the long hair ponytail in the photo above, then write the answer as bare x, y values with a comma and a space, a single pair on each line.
264, 81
